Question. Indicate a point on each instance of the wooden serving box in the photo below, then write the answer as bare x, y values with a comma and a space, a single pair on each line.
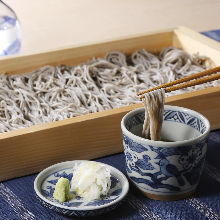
29, 150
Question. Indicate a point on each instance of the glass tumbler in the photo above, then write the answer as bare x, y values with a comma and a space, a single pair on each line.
10, 31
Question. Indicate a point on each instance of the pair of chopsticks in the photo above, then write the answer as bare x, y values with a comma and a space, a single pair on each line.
195, 79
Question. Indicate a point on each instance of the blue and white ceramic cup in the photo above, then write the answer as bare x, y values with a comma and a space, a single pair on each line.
170, 169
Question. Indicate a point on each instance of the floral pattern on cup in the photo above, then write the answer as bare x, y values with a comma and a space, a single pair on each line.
191, 159
169, 115
166, 168
173, 169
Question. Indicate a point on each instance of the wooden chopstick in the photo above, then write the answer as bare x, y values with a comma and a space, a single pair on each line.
194, 82
186, 81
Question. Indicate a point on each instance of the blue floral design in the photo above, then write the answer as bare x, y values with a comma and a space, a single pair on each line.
191, 159
136, 120
54, 182
144, 163
169, 115
185, 118
100, 202
154, 171
48, 187
64, 175
114, 182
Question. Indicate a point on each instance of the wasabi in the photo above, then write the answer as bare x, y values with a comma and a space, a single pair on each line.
62, 190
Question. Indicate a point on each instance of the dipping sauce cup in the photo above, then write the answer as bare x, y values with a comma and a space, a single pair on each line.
169, 169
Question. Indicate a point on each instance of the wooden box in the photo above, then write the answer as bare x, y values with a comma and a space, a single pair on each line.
29, 150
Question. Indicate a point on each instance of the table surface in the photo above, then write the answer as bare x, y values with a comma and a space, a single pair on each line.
53, 24
18, 201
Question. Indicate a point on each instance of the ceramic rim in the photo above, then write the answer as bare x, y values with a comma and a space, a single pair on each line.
118, 174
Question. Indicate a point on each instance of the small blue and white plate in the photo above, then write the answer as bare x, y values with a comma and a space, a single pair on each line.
46, 180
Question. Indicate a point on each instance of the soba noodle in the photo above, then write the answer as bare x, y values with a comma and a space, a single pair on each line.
55, 93
154, 107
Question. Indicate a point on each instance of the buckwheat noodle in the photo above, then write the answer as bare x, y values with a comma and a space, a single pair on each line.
55, 93
154, 107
